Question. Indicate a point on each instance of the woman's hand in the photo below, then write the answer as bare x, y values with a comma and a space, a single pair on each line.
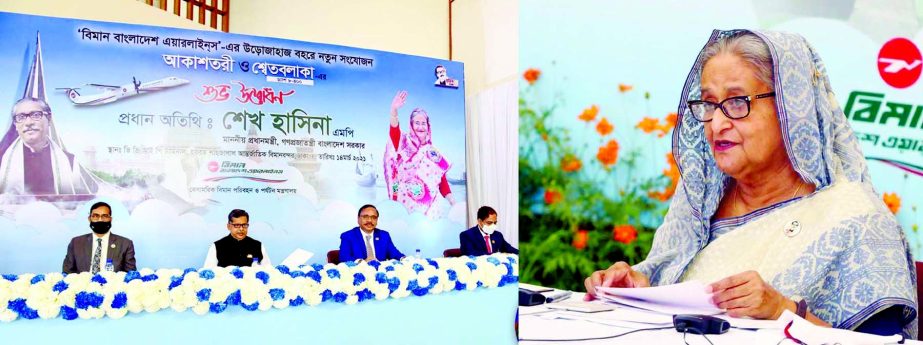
746, 294
619, 274
396, 104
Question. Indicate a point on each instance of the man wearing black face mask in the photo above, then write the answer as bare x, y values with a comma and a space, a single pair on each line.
91, 252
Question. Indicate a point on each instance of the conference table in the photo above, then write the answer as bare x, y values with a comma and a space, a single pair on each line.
542, 325
479, 316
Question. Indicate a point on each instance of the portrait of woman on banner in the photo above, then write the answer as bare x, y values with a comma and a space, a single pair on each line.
414, 169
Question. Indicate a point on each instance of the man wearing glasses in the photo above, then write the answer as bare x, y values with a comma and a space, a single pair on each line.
236, 249
366, 242
94, 252
33, 160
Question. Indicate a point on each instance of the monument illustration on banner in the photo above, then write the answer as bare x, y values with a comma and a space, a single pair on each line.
67, 182
114, 93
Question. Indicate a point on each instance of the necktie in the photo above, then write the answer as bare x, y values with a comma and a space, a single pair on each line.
368, 249
94, 267
487, 242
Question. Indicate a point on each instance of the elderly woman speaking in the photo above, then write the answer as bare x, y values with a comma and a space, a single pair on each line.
775, 209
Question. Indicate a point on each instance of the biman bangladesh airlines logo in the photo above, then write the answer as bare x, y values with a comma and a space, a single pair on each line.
899, 63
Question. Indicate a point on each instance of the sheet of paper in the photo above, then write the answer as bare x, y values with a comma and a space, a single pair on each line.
596, 318
538, 309
581, 306
683, 298
622, 316
534, 288
745, 323
297, 258
631, 314
642, 317
620, 313
810, 333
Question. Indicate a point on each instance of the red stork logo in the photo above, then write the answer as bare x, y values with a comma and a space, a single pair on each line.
899, 63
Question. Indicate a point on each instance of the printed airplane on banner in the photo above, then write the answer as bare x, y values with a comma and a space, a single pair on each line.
899, 63
896, 65
114, 93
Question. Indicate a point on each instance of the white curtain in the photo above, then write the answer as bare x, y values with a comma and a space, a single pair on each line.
493, 151
486, 37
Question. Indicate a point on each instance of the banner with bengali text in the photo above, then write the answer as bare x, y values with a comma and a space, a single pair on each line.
175, 128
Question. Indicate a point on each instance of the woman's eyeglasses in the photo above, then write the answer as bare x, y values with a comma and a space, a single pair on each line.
735, 108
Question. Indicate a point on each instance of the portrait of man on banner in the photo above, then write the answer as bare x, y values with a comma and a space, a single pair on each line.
33, 160
443, 79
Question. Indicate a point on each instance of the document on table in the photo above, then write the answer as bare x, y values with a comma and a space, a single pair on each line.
629, 314
683, 298
297, 258
633, 317
810, 333
612, 318
752, 324
535, 288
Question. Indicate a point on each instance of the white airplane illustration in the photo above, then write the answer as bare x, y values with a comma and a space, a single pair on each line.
896, 65
113, 93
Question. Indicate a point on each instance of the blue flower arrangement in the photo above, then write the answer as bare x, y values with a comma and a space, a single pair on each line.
204, 291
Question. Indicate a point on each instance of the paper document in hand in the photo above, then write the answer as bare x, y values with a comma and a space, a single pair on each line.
297, 258
683, 298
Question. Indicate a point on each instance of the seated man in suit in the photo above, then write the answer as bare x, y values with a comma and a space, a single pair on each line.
236, 249
91, 252
484, 238
365, 242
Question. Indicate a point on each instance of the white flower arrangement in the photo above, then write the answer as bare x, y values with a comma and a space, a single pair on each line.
115, 294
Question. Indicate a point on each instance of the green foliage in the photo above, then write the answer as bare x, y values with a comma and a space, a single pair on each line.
557, 205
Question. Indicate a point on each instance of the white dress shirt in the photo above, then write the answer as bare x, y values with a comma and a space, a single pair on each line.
211, 260
483, 234
369, 239
103, 254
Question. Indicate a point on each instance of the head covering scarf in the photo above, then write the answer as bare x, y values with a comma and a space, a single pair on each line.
822, 148
413, 140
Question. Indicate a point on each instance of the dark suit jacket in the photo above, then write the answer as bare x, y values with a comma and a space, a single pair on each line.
352, 245
80, 254
472, 243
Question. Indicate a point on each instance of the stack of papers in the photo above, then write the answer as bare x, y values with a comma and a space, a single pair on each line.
643, 307
683, 298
